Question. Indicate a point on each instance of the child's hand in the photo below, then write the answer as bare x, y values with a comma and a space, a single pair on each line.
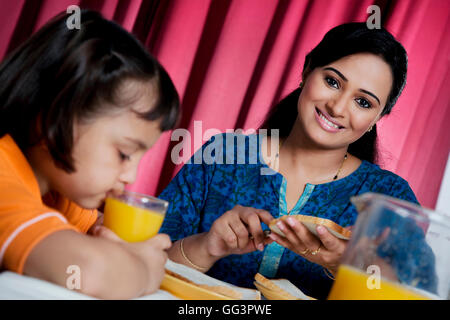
104, 232
238, 231
152, 252
98, 223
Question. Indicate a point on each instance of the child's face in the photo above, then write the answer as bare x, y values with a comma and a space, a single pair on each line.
106, 153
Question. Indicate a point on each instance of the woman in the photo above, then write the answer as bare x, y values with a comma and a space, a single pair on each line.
351, 79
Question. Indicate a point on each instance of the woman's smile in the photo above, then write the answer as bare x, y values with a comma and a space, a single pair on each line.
326, 123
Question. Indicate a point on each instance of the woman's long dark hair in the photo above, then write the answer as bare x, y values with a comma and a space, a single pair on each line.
63, 75
339, 42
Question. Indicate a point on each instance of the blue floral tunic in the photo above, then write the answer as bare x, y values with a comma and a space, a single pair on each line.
234, 173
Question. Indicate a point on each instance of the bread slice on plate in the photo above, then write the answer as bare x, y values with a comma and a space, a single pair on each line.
279, 289
190, 284
311, 223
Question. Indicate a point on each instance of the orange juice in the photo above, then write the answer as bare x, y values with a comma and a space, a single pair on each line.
131, 223
351, 284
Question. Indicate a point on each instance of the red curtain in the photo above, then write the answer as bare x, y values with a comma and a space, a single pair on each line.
232, 60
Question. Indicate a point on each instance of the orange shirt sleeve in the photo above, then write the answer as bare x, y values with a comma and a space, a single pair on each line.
24, 222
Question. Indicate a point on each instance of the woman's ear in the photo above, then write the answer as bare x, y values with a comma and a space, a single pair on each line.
305, 73
304, 79
377, 118
375, 122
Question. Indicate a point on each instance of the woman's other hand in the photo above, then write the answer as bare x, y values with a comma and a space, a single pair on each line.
325, 250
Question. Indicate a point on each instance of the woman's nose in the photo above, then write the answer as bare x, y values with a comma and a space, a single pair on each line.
337, 105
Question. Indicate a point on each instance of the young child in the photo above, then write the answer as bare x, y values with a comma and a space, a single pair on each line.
78, 110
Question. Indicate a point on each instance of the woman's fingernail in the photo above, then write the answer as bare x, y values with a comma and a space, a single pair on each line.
291, 221
320, 229
281, 225
260, 247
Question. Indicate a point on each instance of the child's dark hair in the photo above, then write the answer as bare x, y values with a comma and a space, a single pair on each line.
60, 76
341, 41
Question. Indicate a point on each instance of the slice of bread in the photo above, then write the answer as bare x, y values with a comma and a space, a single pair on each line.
218, 289
206, 282
311, 223
279, 289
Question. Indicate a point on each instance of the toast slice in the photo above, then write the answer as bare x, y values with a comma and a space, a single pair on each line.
279, 289
200, 280
217, 289
311, 223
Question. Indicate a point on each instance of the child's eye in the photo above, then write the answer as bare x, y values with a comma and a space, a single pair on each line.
363, 103
124, 157
332, 82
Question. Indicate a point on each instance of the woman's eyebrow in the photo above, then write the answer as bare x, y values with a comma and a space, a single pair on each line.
337, 72
371, 94
346, 80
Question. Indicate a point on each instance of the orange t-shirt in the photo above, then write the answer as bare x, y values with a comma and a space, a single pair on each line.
25, 217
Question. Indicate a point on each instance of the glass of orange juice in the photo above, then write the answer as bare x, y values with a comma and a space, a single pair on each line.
133, 216
398, 251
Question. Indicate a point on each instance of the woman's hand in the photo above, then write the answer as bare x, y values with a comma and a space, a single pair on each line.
238, 231
326, 250
151, 252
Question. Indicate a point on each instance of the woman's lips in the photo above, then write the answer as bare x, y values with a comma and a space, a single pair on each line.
326, 124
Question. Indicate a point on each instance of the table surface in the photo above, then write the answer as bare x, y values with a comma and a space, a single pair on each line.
18, 287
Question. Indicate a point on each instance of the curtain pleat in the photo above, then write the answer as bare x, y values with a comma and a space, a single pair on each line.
29, 12
409, 134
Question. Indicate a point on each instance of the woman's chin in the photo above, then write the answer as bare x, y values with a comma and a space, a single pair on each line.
320, 139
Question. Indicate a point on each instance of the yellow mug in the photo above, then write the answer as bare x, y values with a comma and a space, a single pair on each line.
133, 216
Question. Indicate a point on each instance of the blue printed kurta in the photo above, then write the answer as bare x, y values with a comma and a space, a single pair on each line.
206, 188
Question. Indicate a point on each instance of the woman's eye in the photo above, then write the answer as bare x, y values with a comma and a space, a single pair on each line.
363, 103
124, 157
332, 82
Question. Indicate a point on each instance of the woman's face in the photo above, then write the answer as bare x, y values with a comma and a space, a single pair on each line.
106, 152
339, 102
